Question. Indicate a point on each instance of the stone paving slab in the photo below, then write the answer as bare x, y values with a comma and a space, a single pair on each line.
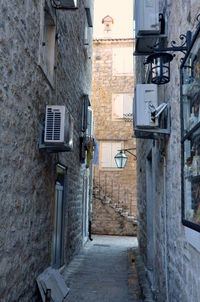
104, 272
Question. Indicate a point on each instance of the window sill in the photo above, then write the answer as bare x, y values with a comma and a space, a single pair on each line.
193, 238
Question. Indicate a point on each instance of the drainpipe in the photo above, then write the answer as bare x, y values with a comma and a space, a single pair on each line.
165, 230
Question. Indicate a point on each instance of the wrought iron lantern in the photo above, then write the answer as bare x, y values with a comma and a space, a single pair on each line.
159, 67
121, 159
159, 60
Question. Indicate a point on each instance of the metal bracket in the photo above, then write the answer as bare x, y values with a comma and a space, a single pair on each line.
49, 148
160, 132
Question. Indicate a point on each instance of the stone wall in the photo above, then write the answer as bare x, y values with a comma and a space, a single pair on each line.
108, 220
120, 185
27, 177
175, 262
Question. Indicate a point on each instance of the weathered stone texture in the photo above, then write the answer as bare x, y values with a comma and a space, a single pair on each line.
107, 220
174, 256
120, 185
27, 177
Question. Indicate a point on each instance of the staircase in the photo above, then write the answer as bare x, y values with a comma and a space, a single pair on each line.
120, 207
111, 215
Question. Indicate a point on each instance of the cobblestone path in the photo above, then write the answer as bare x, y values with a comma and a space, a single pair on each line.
104, 271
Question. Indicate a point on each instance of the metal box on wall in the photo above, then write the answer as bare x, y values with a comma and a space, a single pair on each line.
146, 100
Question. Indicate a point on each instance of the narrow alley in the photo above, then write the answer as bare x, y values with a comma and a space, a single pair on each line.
105, 271
100, 151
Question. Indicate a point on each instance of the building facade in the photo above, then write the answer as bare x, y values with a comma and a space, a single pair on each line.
45, 60
112, 97
169, 244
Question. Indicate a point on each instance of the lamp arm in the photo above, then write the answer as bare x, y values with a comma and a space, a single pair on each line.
131, 153
128, 150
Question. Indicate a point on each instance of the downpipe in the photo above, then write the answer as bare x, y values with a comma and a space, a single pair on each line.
165, 229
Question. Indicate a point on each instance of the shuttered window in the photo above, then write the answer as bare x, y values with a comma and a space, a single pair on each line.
122, 106
108, 152
123, 61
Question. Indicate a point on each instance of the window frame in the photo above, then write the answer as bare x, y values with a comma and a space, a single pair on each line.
187, 135
117, 118
114, 168
115, 71
46, 56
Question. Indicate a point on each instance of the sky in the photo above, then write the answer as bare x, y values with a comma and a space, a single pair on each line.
122, 13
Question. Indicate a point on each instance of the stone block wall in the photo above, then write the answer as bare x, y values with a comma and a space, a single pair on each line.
175, 261
106, 220
120, 185
27, 177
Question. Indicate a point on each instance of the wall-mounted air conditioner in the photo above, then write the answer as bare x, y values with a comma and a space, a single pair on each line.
150, 120
58, 129
147, 25
65, 4
146, 101
146, 17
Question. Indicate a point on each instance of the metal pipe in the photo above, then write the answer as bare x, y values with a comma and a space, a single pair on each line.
165, 230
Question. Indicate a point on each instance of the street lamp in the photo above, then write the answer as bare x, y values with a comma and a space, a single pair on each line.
160, 67
159, 60
121, 158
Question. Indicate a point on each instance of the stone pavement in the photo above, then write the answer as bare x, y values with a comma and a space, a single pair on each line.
105, 271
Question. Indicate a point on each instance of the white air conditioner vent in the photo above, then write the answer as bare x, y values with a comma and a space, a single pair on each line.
66, 4
58, 132
55, 116
146, 100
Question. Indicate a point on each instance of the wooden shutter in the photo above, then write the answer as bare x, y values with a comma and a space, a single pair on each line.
116, 146
117, 109
127, 105
106, 152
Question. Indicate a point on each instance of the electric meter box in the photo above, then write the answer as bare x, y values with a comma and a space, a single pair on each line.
146, 101
146, 15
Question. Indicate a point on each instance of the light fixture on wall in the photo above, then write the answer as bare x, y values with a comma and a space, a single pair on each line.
121, 158
159, 66
159, 60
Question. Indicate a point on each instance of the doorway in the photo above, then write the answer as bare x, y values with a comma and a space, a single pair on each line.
85, 205
59, 217
150, 217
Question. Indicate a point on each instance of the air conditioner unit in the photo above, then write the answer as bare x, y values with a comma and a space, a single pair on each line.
146, 16
147, 25
65, 4
58, 130
90, 124
146, 101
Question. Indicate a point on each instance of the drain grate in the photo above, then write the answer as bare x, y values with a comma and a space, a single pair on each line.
102, 245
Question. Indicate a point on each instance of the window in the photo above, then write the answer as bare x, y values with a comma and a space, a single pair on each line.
108, 152
123, 61
88, 24
122, 106
47, 41
190, 108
